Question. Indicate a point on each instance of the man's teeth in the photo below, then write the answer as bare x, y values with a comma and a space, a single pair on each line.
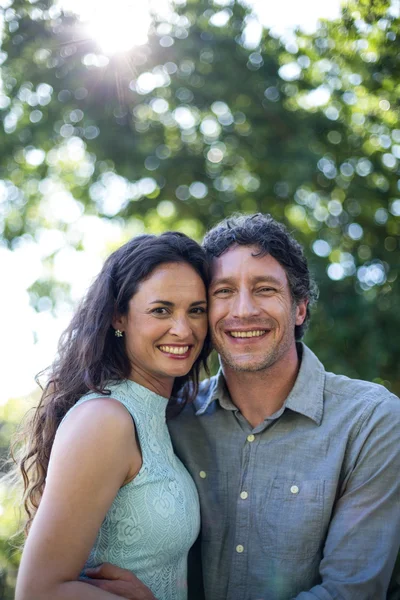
174, 349
247, 334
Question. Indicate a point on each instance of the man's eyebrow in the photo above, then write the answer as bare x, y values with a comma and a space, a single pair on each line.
258, 279
221, 281
167, 303
267, 278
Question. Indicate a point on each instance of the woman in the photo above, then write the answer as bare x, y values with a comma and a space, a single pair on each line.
102, 483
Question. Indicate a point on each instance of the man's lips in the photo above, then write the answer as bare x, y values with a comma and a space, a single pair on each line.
176, 350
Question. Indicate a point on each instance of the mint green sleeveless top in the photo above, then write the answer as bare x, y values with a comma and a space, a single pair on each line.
154, 519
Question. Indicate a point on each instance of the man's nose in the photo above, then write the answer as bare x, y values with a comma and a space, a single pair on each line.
244, 305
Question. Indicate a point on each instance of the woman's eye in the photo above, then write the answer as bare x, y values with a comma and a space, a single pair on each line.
160, 311
198, 310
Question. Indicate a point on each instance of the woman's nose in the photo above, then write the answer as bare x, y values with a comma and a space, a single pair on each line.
181, 327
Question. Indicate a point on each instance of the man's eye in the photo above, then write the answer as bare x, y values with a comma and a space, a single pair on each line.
267, 289
223, 291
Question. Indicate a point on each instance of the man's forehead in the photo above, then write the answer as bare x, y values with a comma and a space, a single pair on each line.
246, 261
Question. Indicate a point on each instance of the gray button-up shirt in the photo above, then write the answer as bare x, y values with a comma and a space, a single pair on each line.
307, 504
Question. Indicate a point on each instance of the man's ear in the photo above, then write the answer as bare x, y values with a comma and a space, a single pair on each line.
301, 311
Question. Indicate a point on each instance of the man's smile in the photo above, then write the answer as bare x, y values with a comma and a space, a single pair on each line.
252, 333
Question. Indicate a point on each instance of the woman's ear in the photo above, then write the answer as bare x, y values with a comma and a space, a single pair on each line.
119, 322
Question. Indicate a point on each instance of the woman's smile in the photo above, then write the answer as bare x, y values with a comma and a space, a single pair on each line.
176, 351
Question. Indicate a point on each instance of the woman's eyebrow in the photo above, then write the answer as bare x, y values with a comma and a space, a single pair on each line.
167, 303
162, 302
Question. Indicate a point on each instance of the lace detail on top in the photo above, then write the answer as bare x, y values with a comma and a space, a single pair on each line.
155, 518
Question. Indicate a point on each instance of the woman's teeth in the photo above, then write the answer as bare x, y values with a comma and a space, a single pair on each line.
174, 349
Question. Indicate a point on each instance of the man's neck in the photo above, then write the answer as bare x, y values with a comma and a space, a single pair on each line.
260, 394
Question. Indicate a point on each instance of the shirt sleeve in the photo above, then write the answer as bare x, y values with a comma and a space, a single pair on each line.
364, 534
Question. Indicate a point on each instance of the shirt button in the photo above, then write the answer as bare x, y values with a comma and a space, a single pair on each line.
251, 438
243, 495
294, 489
203, 474
239, 548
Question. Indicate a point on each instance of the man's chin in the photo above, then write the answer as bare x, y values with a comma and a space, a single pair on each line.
245, 363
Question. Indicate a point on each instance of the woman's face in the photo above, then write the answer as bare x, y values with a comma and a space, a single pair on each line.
165, 327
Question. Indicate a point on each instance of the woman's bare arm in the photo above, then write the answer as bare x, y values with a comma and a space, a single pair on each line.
94, 453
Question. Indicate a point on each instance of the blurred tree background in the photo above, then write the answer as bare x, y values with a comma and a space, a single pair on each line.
197, 123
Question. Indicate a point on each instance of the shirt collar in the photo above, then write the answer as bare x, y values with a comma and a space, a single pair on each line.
306, 396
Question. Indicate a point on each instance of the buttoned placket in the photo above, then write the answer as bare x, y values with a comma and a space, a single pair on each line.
245, 504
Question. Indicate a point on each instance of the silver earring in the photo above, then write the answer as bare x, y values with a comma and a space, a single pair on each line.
118, 333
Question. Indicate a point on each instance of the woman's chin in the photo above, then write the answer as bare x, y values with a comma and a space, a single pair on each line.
180, 369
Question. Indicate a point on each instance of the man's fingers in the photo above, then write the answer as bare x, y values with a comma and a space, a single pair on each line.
103, 585
120, 582
109, 571
126, 589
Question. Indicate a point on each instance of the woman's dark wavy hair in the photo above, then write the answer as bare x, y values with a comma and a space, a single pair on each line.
271, 238
90, 356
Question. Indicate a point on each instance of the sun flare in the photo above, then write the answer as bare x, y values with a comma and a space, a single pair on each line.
116, 26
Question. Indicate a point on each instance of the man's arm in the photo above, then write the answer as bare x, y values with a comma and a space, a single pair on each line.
121, 582
364, 533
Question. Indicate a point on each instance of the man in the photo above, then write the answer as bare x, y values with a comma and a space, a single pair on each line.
297, 469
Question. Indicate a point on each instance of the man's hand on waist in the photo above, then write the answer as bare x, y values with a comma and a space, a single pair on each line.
120, 582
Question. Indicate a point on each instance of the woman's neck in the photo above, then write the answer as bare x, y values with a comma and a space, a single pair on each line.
161, 386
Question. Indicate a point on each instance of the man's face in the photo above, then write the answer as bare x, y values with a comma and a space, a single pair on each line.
251, 311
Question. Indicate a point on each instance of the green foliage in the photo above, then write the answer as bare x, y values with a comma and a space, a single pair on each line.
197, 124
9, 544
11, 414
